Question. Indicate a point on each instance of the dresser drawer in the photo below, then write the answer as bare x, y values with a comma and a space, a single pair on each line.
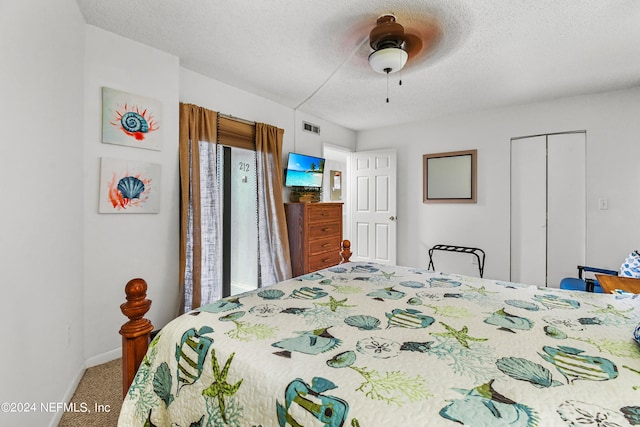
320, 261
324, 230
325, 245
325, 212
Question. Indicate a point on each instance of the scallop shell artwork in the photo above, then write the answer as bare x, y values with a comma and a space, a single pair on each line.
363, 322
271, 294
130, 187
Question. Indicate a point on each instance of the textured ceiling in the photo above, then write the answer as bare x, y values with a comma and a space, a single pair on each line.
312, 54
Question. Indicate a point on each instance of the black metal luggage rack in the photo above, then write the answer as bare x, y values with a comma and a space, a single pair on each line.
479, 254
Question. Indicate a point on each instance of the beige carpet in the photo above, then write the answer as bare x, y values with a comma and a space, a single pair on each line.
98, 398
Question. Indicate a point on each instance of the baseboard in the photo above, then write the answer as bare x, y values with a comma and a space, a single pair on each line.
57, 416
104, 357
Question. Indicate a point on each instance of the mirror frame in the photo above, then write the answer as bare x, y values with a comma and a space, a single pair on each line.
429, 159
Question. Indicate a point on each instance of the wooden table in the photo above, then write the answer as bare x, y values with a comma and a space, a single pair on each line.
611, 283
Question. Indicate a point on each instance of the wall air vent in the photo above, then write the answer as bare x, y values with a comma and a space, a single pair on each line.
309, 127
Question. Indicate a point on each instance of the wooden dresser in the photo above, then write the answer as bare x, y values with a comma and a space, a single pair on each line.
315, 234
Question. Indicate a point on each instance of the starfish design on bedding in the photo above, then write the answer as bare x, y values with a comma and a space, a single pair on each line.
387, 275
609, 309
334, 304
482, 290
220, 388
461, 336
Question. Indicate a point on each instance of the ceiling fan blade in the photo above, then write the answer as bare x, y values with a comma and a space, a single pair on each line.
412, 44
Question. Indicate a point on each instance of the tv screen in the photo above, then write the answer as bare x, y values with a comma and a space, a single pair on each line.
304, 171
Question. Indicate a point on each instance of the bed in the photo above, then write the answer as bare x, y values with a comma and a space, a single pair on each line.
363, 344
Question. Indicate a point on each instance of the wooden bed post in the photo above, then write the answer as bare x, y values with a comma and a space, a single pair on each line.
346, 251
136, 332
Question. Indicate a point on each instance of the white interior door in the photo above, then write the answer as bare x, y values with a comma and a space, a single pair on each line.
528, 210
373, 204
548, 211
566, 199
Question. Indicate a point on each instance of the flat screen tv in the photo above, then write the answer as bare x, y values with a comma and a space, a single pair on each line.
304, 171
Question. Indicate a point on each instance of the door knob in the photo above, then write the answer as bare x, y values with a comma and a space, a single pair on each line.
392, 218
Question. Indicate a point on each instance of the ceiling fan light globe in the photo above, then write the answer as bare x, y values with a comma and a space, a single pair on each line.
389, 60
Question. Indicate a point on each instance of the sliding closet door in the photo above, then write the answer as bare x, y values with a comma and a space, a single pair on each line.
528, 210
548, 212
566, 236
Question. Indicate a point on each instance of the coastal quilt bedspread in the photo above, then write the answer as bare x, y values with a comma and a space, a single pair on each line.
371, 345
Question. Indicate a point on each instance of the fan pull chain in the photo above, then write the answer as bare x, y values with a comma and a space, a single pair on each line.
400, 82
387, 85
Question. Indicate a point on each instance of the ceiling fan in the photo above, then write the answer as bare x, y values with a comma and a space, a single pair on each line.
392, 46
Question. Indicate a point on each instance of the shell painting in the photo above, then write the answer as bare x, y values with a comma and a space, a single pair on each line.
129, 187
129, 119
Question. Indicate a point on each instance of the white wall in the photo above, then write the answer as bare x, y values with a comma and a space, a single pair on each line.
119, 247
613, 172
41, 232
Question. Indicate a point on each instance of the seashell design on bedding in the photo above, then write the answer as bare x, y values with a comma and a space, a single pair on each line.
525, 370
271, 294
363, 322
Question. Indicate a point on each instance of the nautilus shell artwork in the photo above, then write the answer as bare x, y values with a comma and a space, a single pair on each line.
131, 120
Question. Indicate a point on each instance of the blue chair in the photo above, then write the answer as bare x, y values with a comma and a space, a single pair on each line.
586, 284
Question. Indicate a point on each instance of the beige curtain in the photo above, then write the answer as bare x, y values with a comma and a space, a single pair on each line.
200, 244
273, 241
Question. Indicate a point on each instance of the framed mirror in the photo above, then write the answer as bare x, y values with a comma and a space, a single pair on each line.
449, 177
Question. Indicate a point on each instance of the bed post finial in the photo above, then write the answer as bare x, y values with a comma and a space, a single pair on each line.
136, 332
346, 251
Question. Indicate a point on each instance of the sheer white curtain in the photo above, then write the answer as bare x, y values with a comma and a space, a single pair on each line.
200, 229
273, 241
